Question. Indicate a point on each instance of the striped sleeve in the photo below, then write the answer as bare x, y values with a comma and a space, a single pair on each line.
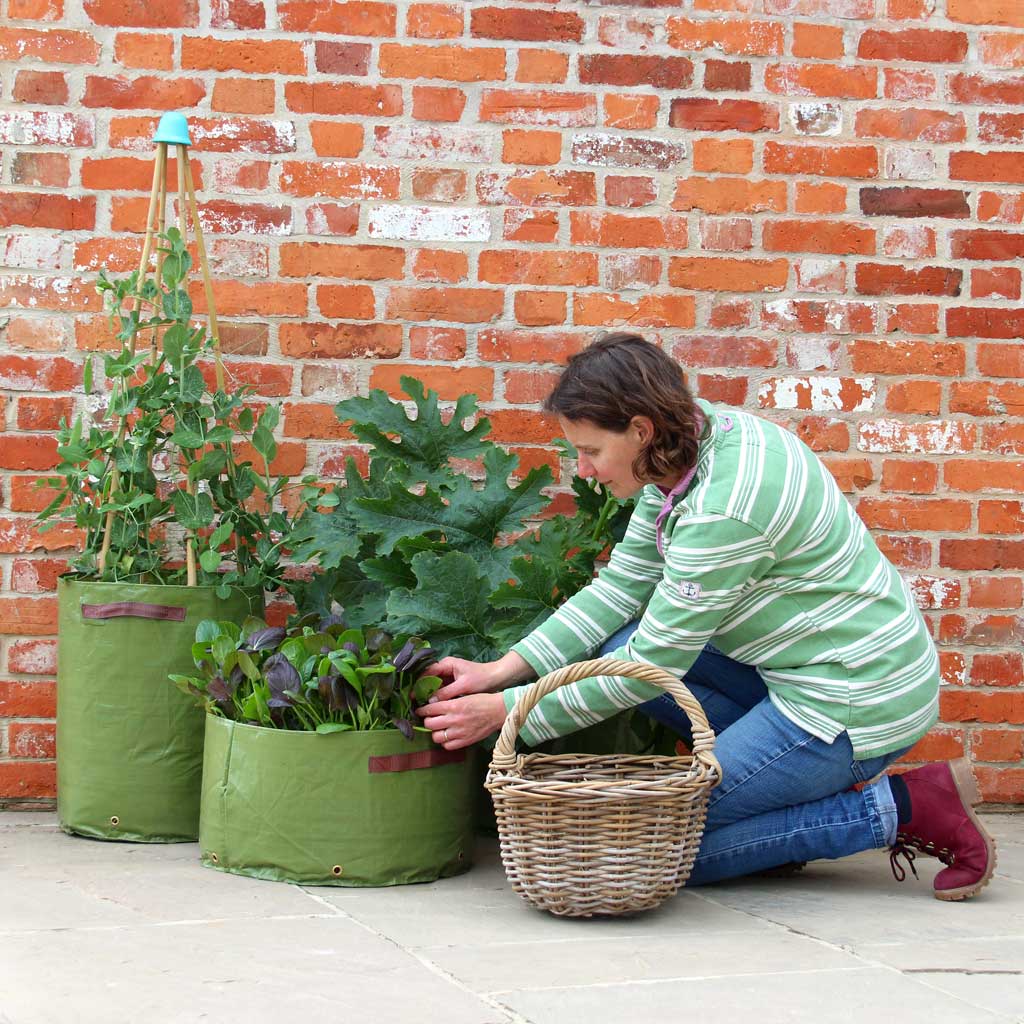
614, 598
711, 560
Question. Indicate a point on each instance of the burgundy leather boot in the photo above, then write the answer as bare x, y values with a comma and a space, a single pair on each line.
943, 825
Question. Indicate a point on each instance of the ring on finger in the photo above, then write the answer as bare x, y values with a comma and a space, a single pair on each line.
444, 735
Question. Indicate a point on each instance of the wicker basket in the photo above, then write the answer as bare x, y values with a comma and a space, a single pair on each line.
614, 834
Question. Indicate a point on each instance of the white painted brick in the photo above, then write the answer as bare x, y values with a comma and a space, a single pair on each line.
35, 252
820, 394
429, 224
422, 142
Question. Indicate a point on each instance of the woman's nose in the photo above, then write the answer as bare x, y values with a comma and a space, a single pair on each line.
584, 466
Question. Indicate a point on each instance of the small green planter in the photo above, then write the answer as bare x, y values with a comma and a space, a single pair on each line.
129, 743
349, 809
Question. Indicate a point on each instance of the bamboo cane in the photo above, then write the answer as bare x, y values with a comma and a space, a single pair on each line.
190, 543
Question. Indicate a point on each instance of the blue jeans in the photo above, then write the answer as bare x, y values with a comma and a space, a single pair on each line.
785, 795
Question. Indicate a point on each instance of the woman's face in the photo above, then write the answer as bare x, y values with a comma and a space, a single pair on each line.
607, 456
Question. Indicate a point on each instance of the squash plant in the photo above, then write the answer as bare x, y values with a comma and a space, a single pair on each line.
160, 472
418, 548
316, 675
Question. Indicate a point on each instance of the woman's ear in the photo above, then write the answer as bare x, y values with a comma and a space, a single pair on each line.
643, 427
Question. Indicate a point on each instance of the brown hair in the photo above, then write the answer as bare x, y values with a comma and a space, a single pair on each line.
623, 375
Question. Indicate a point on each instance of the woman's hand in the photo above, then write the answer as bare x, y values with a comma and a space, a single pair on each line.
461, 677
463, 721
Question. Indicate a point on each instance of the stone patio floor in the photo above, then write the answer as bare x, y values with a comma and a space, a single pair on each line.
111, 932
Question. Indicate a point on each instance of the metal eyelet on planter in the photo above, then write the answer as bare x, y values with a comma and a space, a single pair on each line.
115, 820
337, 871
461, 857
214, 859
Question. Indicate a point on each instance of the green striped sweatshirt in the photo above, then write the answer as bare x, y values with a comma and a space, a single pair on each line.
765, 559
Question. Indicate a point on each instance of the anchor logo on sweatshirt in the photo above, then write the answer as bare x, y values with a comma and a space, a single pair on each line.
689, 590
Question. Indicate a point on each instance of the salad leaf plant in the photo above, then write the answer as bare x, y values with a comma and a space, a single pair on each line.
318, 675
161, 471
418, 547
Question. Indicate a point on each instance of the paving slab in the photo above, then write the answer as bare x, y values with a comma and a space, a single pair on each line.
94, 931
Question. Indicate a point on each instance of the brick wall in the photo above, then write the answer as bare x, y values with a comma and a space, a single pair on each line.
814, 204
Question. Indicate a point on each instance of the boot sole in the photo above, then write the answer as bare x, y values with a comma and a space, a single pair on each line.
967, 788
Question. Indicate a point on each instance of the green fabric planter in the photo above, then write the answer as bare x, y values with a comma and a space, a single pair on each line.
129, 743
351, 808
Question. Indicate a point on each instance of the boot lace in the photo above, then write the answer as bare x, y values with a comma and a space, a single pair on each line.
905, 846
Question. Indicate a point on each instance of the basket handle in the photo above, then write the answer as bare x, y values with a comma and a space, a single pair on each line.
504, 754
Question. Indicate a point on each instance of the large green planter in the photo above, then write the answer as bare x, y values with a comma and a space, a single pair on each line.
351, 808
129, 743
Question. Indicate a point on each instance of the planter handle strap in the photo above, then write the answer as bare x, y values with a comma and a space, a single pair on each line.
418, 759
135, 610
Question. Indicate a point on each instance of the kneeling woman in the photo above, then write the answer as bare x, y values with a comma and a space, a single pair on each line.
746, 572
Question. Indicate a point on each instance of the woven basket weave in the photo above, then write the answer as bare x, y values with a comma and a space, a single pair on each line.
592, 834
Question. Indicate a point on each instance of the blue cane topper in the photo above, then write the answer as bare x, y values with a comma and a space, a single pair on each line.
173, 129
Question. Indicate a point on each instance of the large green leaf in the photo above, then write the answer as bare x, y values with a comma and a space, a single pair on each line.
425, 444
449, 605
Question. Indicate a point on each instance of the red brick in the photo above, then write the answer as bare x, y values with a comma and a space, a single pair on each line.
913, 44
35, 10
754, 38
441, 185
630, 270
937, 437
215, 135
996, 592
28, 780
243, 96
516, 106
901, 358
973, 475
915, 514
434, 21
542, 66
914, 202
28, 616
145, 92
911, 125
982, 554
539, 268
819, 197
37, 575
981, 322
1001, 128
727, 275
824, 434
441, 343
249, 56
722, 235
343, 58
357, 262
437, 103
537, 188
822, 41
818, 316
1001, 49
597, 309
904, 84
450, 382
727, 76
914, 396
831, 161
850, 474
906, 552
140, 14
42, 170
818, 236
982, 398
338, 17
125, 173
44, 413
729, 195
997, 282
314, 421
633, 69
723, 115
340, 341
980, 244
629, 190
998, 745
626, 31
350, 302
1000, 438
911, 477
613, 230
605, 150
440, 265
992, 166
540, 309
144, 50
344, 98
822, 80
237, 298
911, 319
452, 63
724, 156
938, 745
997, 670
339, 180
459, 305
893, 279
36, 699
44, 87
27, 494
725, 350
525, 225
521, 427
48, 45
518, 346
628, 111
528, 387
986, 90
238, 14
525, 147
1001, 517
527, 25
